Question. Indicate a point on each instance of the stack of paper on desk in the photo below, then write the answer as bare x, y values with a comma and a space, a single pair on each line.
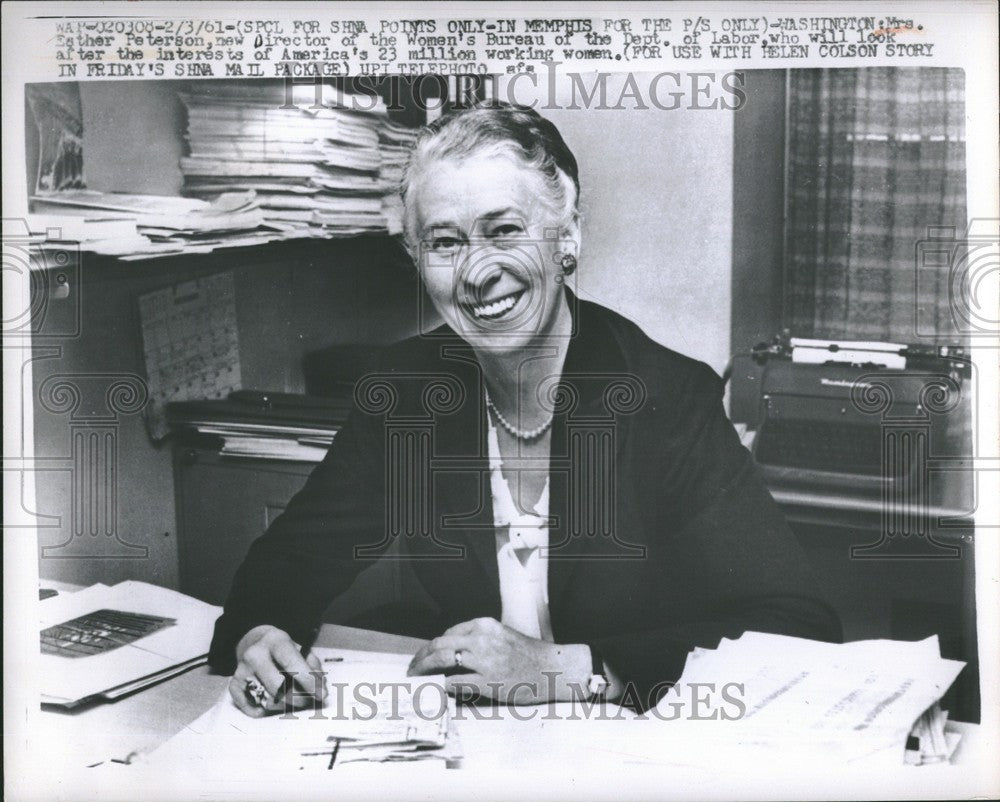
818, 700
105, 642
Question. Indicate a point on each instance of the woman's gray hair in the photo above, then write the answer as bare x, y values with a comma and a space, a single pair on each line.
496, 126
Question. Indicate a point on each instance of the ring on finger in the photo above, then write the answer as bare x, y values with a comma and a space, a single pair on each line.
458, 658
256, 692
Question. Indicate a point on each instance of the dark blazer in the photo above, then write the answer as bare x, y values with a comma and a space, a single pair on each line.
662, 535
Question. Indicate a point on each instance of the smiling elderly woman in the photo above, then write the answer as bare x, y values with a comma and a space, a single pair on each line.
570, 493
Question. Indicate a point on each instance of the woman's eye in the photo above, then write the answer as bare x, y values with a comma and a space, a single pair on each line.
507, 230
445, 243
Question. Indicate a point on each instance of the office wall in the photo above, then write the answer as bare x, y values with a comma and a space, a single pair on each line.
132, 136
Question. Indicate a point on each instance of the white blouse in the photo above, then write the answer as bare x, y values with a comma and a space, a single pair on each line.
522, 542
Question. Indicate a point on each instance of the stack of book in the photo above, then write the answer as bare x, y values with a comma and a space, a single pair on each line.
323, 162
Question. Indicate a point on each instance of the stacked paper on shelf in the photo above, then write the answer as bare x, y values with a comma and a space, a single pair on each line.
324, 162
105, 642
84, 201
815, 701
395, 142
98, 232
259, 425
151, 225
282, 448
372, 712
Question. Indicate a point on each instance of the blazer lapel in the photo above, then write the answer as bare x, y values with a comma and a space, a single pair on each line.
588, 438
463, 503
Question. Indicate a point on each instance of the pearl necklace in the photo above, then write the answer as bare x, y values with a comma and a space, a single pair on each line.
520, 434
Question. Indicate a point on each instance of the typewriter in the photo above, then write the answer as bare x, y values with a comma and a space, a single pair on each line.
822, 409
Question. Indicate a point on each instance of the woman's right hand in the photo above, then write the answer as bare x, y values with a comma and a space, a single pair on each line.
262, 655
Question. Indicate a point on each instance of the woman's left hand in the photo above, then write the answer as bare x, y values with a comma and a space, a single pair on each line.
502, 664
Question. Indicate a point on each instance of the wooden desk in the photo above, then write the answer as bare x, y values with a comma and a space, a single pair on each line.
504, 756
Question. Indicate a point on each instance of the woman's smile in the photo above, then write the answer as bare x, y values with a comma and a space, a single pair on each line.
497, 308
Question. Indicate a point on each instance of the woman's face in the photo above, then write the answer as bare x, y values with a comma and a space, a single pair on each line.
488, 246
